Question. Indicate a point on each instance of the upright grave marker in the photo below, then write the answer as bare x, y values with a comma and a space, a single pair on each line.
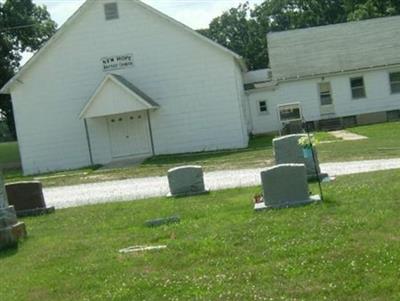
3, 194
186, 180
27, 198
10, 229
287, 150
285, 186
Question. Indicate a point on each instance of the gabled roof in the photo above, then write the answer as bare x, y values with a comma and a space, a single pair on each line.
335, 48
83, 7
129, 99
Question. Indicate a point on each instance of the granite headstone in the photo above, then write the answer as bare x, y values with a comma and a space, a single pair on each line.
27, 198
10, 229
285, 185
186, 180
287, 150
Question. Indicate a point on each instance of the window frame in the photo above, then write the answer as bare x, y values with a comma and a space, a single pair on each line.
290, 106
395, 82
363, 87
260, 112
321, 94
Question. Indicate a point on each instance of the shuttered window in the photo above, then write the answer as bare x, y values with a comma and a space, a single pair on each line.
357, 87
325, 94
111, 11
395, 82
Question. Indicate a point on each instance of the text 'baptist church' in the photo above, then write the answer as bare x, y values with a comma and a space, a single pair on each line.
117, 62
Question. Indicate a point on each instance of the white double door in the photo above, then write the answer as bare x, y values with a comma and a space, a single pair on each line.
129, 134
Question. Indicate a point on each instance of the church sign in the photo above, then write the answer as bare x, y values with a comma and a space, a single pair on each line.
117, 62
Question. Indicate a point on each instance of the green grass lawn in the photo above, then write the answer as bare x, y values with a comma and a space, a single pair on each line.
383, 143
9, 153
347, 248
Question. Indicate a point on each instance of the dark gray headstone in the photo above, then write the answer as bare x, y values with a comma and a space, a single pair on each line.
186, 180
285, 185
27, 198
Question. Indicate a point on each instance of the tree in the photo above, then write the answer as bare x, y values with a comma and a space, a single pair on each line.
24, 26
236, 30
373, 8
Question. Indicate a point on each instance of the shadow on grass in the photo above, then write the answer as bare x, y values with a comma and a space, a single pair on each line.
329, 202
17, 173
9, 252
255, 143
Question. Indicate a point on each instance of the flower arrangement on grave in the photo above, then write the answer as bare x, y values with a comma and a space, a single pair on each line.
307, 143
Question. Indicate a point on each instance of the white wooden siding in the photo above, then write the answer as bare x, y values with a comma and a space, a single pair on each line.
194, 83
379, 98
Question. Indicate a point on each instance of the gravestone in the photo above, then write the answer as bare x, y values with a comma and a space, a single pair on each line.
10, 229
186, 180
285, 186
27, 198
3, 194
287, 150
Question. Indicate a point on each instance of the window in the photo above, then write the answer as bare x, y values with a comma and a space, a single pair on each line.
290, 112
395, 82
357, 87
325, 94
111, 11
262, 107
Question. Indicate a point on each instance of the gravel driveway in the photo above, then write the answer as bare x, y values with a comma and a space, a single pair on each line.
134, 189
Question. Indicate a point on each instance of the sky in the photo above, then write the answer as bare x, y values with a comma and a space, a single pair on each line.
193, 13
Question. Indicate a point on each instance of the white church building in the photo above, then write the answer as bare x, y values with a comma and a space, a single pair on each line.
122, 80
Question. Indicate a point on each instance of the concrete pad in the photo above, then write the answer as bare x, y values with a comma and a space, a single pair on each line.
313, 199
347, 136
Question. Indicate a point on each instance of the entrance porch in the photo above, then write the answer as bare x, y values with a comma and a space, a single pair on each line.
117, 122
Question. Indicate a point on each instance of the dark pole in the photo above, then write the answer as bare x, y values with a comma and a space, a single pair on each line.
314, 160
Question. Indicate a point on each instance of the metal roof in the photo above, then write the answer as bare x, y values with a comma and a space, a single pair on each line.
335, 48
